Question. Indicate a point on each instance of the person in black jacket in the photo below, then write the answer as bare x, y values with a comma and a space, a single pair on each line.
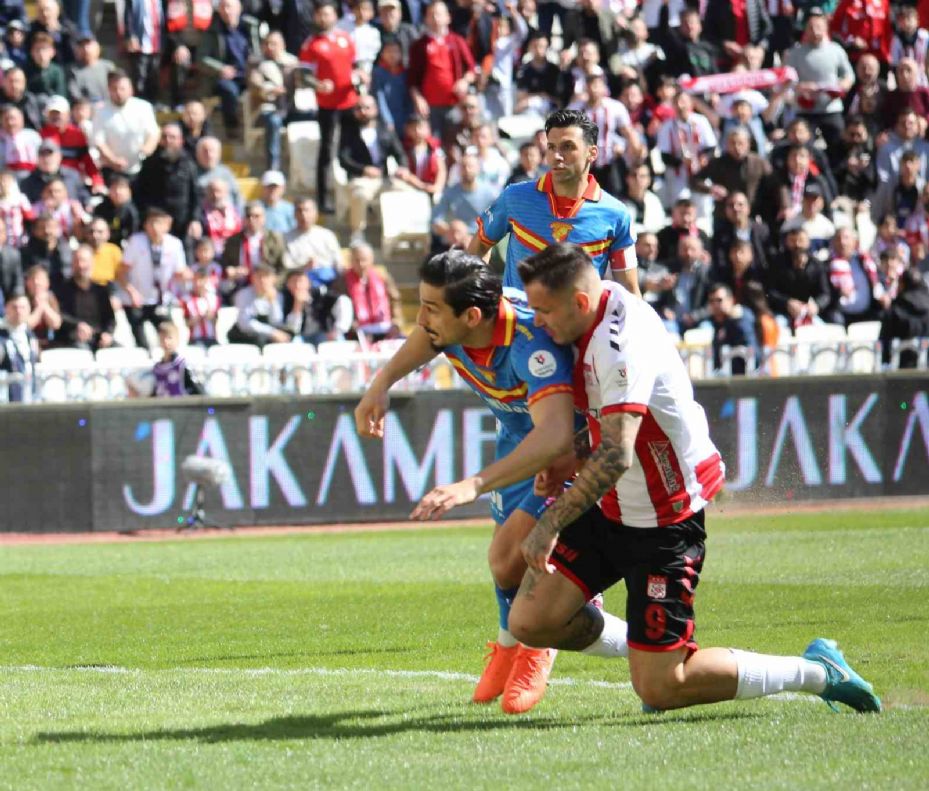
48, 168
723, 29
798, 285
87, 318
738, 224
168, 179
118, 211
907, 317
11, 268
686, 50
363, 153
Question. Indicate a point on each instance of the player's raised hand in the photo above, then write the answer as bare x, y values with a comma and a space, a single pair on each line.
442, 499
369, 414
537, 548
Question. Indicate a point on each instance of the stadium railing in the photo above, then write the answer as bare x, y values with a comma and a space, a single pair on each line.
292, 369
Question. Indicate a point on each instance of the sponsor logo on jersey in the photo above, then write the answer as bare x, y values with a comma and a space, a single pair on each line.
542, 364
503, 406
657, 587
661, 455
560, 230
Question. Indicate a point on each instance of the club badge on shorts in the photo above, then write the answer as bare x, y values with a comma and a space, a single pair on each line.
657, 587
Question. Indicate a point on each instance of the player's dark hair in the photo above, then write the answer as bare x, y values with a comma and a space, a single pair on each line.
556, 267
564, 119
467, 280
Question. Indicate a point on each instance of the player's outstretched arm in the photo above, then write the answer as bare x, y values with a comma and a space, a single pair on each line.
369, 414
628, 279
606, 465
478, 247
551, 437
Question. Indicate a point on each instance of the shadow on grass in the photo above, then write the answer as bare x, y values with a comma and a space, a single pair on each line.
372, 723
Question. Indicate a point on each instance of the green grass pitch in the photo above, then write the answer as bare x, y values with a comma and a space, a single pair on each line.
347, 661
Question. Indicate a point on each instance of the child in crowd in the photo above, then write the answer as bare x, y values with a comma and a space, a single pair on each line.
15, 209
202, 306
172, 376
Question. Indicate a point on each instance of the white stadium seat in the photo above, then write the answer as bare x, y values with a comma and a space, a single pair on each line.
406, 217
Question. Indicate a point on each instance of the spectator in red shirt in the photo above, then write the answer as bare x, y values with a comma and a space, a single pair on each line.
441, 68
331, 56
75, 153
863, 26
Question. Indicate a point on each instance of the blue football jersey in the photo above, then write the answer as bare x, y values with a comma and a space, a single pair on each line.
522, 365
598, 222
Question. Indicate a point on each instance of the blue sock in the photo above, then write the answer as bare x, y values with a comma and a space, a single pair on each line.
504, 602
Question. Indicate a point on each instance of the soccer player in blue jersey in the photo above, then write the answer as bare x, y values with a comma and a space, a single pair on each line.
565, 205
526, 381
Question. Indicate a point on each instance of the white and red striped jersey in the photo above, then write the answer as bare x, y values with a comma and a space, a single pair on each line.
611, 117
628, 363
197, 310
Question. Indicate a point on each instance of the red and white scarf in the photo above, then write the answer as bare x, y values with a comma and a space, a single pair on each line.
369, 297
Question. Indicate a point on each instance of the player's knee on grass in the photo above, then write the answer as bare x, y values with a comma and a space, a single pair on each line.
530, 623
657, 680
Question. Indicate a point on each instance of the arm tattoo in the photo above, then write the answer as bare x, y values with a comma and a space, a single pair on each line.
582, 444
606, 465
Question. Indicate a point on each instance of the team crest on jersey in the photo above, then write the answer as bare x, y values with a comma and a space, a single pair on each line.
560, 230
657, 587
542, 364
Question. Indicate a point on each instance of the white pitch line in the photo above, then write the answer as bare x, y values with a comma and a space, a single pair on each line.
442, 675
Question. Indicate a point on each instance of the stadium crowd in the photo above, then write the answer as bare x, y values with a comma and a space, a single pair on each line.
773, 155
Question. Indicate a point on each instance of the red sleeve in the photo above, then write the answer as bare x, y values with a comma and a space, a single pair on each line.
838, 19
307, 53
466, 54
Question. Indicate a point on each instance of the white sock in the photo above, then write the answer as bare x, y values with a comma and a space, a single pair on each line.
505, 639
612, 640
761, 675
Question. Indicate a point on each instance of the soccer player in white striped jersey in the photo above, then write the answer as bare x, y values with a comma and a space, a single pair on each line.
635, 510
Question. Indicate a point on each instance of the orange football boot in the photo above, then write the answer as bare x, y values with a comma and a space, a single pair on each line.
528, 679
493, 679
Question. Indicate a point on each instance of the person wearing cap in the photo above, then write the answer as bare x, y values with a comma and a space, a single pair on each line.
825, 76
87, 75
279, 213
48, 168
392, 27
13, 14
14, 42
75, 152
19, 147
168, 179
819, 228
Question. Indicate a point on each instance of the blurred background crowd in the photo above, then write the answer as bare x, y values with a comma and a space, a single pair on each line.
185, 161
